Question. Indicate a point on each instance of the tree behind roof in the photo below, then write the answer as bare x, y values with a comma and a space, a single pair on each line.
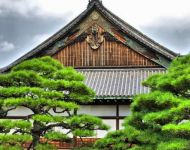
49, 90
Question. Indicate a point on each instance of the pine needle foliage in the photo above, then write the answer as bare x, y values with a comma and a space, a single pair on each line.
160, 120
52, 93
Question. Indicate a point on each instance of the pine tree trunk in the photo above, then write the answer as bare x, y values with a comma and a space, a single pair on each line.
74, 141
75, 137
36, 132
35, 142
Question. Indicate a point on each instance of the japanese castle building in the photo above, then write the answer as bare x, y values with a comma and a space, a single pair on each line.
113, 56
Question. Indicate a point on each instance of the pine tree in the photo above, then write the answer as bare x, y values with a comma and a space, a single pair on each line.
115, 140
53, 94
160, 120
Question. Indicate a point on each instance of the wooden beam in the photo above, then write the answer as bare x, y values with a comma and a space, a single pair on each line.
102, 117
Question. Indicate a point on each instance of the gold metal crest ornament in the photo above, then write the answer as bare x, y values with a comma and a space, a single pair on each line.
95, 39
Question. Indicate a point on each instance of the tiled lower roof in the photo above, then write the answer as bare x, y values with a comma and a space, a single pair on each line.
118, 83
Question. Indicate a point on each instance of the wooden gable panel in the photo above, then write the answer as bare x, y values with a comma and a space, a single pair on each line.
109, 54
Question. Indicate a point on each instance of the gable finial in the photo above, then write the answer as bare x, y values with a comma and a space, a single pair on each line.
91, 1
95, 0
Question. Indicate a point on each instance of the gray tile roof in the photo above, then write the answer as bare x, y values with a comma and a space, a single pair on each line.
118, 83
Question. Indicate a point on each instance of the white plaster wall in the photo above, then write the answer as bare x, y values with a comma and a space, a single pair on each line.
124, 110
121, 121
95, 110
99, 133
98, 110
20, 111
111, 123
103, 110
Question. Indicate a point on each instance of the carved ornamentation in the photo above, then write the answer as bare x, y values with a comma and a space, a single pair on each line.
109, 37
95, 38
95, 16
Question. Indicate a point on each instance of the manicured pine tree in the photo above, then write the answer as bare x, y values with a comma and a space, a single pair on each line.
160, 120
115, 140
53, 94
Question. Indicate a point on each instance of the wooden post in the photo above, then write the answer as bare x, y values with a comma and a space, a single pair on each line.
117, 117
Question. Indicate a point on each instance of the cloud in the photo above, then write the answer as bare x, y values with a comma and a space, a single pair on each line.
5, 46
141, 12
25, 23
17, 7
40, 8
22, 30
39, 38
173, 33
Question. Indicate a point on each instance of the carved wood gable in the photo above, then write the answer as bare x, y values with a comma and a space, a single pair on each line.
96, 43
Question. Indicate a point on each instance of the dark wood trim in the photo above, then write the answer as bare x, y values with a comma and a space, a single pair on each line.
117, 117
111, 102
111, 117
118, 67
102, 117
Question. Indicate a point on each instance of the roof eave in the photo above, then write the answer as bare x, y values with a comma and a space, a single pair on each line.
109, 15
131, 31
51, 39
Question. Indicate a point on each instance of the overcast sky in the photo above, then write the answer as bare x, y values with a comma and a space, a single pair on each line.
26, 23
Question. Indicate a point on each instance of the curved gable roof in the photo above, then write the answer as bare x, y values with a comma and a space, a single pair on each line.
121, 25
